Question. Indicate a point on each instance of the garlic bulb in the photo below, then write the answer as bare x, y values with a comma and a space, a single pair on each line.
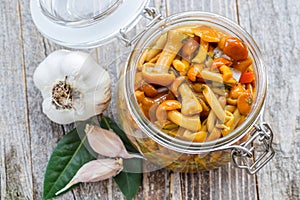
74, 87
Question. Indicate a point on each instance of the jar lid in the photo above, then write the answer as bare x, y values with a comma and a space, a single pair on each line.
84, 24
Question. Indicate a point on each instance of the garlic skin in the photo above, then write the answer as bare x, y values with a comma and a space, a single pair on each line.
107, 143
74, 87
94, 171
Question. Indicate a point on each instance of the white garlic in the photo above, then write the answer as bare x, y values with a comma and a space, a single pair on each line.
73, 85
107, 143
94, 171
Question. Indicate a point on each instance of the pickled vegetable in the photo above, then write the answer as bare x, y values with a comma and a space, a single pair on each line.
198, 86
197, 72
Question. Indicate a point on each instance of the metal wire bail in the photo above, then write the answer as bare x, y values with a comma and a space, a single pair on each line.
244, 157
150, 13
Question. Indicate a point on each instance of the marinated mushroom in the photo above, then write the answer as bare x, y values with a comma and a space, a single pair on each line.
199, 136
206, 33
192, 123
242, 65
148, 89
180, 66
211, 76
190, 103
227, 74
235, 49
155, 75
244, 103
218, 62
149, 104
207, 76
190, 47
214, 103
175, 85
195, 72
202, 52
237, 90
226, 127
214, 134
157, 47
158, 73
161, 111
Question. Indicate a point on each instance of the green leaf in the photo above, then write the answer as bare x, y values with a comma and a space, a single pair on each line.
69, 155
128, 182
130, 179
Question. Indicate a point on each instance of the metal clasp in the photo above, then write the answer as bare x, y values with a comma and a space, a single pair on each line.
244, 156
149, 13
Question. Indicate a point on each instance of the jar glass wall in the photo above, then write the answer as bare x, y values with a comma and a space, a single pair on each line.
175, 153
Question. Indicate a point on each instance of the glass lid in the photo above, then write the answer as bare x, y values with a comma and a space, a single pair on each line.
84, 24
77, 12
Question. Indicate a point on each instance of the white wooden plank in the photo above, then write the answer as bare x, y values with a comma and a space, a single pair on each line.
275, 27
226, 8
44, 134
175, 189
15, 159
36, 49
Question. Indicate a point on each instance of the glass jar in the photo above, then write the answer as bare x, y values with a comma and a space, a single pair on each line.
179, 155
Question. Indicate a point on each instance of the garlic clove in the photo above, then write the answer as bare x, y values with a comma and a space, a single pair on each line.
98, 99
49, 70
107, 143
94, 171
57, 116
74, 62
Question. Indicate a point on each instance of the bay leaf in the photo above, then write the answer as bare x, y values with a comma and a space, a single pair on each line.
129, 183
70, 154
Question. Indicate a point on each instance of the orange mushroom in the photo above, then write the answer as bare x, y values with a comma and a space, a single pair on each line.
236, 49
244, 103
161, 111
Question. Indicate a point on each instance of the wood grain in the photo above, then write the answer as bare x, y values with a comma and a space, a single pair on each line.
275, 27
27, 137
15, 156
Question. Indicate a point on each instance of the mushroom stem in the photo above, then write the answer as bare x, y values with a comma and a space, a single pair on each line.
190, 103
214, 103
172, 47
157, 47
161, 112
154, 75
159, 73
191, 123
175, 85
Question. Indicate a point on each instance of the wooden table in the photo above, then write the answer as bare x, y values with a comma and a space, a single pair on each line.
27, 137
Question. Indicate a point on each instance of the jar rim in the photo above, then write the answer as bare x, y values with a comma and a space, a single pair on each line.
213, 20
